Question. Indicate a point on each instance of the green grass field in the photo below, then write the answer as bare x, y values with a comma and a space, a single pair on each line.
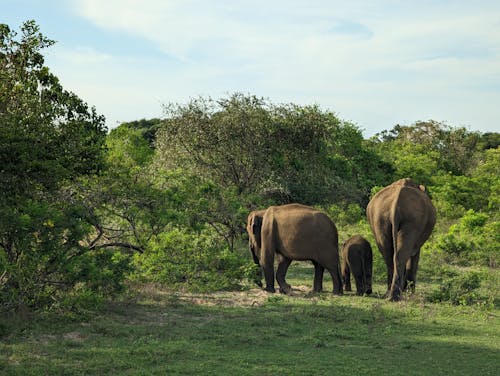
255, 333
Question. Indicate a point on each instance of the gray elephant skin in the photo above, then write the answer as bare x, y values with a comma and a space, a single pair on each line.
357, 259
294, 232
402, 218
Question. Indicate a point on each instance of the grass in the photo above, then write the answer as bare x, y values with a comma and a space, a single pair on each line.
254, 333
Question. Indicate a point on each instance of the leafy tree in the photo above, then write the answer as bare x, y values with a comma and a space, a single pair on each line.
147, 128
226, 141
48, 134
431, 145
488, 173
301, 153
248, 153
128, 148
124, 207
489, 140
48, 139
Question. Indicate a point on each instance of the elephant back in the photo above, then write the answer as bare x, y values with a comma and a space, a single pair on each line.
294, 225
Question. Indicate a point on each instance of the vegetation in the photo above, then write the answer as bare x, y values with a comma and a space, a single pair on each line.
49, 139
86, 215
251, 333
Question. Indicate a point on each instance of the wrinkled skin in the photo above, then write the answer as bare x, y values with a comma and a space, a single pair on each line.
294, 232
402, 218
357, 258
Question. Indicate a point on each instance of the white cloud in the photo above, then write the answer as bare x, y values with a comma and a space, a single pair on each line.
385, 60
82, 55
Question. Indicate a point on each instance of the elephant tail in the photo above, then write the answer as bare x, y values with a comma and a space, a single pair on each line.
394, 238
394, 229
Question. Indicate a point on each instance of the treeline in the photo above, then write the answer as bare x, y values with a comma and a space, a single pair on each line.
82, 211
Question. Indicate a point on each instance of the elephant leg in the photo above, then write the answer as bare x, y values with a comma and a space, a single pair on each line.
399, 277
283, 265
269, 277
346, 276
360, 285
367, 273
411, 272
267, 263
404, 256
318, 277
268, 269
337, 280
389, 262
397, 281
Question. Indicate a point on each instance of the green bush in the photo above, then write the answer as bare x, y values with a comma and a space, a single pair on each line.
456, 194
346, 214
473, 240
199, 262
48, 261
461, 289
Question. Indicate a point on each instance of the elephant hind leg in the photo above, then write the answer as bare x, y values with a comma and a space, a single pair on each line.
405, 242
411, 272
360, 283
337, 281
318, 277
367, 273
346, 277
283, 265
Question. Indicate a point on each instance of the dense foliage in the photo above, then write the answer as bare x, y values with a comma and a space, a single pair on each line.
49, 139
166, 201
290, 152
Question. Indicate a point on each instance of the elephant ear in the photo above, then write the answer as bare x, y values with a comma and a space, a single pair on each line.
256, 229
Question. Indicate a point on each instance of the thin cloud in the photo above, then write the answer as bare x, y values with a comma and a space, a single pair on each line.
374, 63
82, 55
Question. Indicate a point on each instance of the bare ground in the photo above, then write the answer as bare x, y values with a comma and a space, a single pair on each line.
246, 298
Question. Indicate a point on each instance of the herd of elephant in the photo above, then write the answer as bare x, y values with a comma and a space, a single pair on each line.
401, 217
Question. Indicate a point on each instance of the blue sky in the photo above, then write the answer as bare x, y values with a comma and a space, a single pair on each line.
375, 63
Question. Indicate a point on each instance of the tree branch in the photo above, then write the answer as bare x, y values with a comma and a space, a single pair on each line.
119, 244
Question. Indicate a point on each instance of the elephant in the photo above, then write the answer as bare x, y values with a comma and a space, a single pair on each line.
402, 218
254, 225
294, 232
357, 258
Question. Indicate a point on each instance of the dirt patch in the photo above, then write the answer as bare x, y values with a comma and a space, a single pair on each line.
248, 298
73, 336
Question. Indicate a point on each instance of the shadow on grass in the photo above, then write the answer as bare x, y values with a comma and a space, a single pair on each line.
252, 333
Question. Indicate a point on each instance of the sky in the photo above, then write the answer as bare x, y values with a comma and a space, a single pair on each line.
373, 63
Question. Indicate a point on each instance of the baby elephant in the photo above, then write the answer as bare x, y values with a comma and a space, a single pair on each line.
357, 258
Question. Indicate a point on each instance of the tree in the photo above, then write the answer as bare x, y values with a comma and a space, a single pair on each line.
424, 148
226, 141
147, 128
48, 139
489, 140
248, 152
298, 153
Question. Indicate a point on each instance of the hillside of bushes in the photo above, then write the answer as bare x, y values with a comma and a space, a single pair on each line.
84, 210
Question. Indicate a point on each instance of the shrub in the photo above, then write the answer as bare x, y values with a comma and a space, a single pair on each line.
461, 289
347, 214
473, 240
48, 261
195, 261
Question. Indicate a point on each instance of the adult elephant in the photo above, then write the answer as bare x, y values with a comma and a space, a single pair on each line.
357, 258
294, 232
402, 218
